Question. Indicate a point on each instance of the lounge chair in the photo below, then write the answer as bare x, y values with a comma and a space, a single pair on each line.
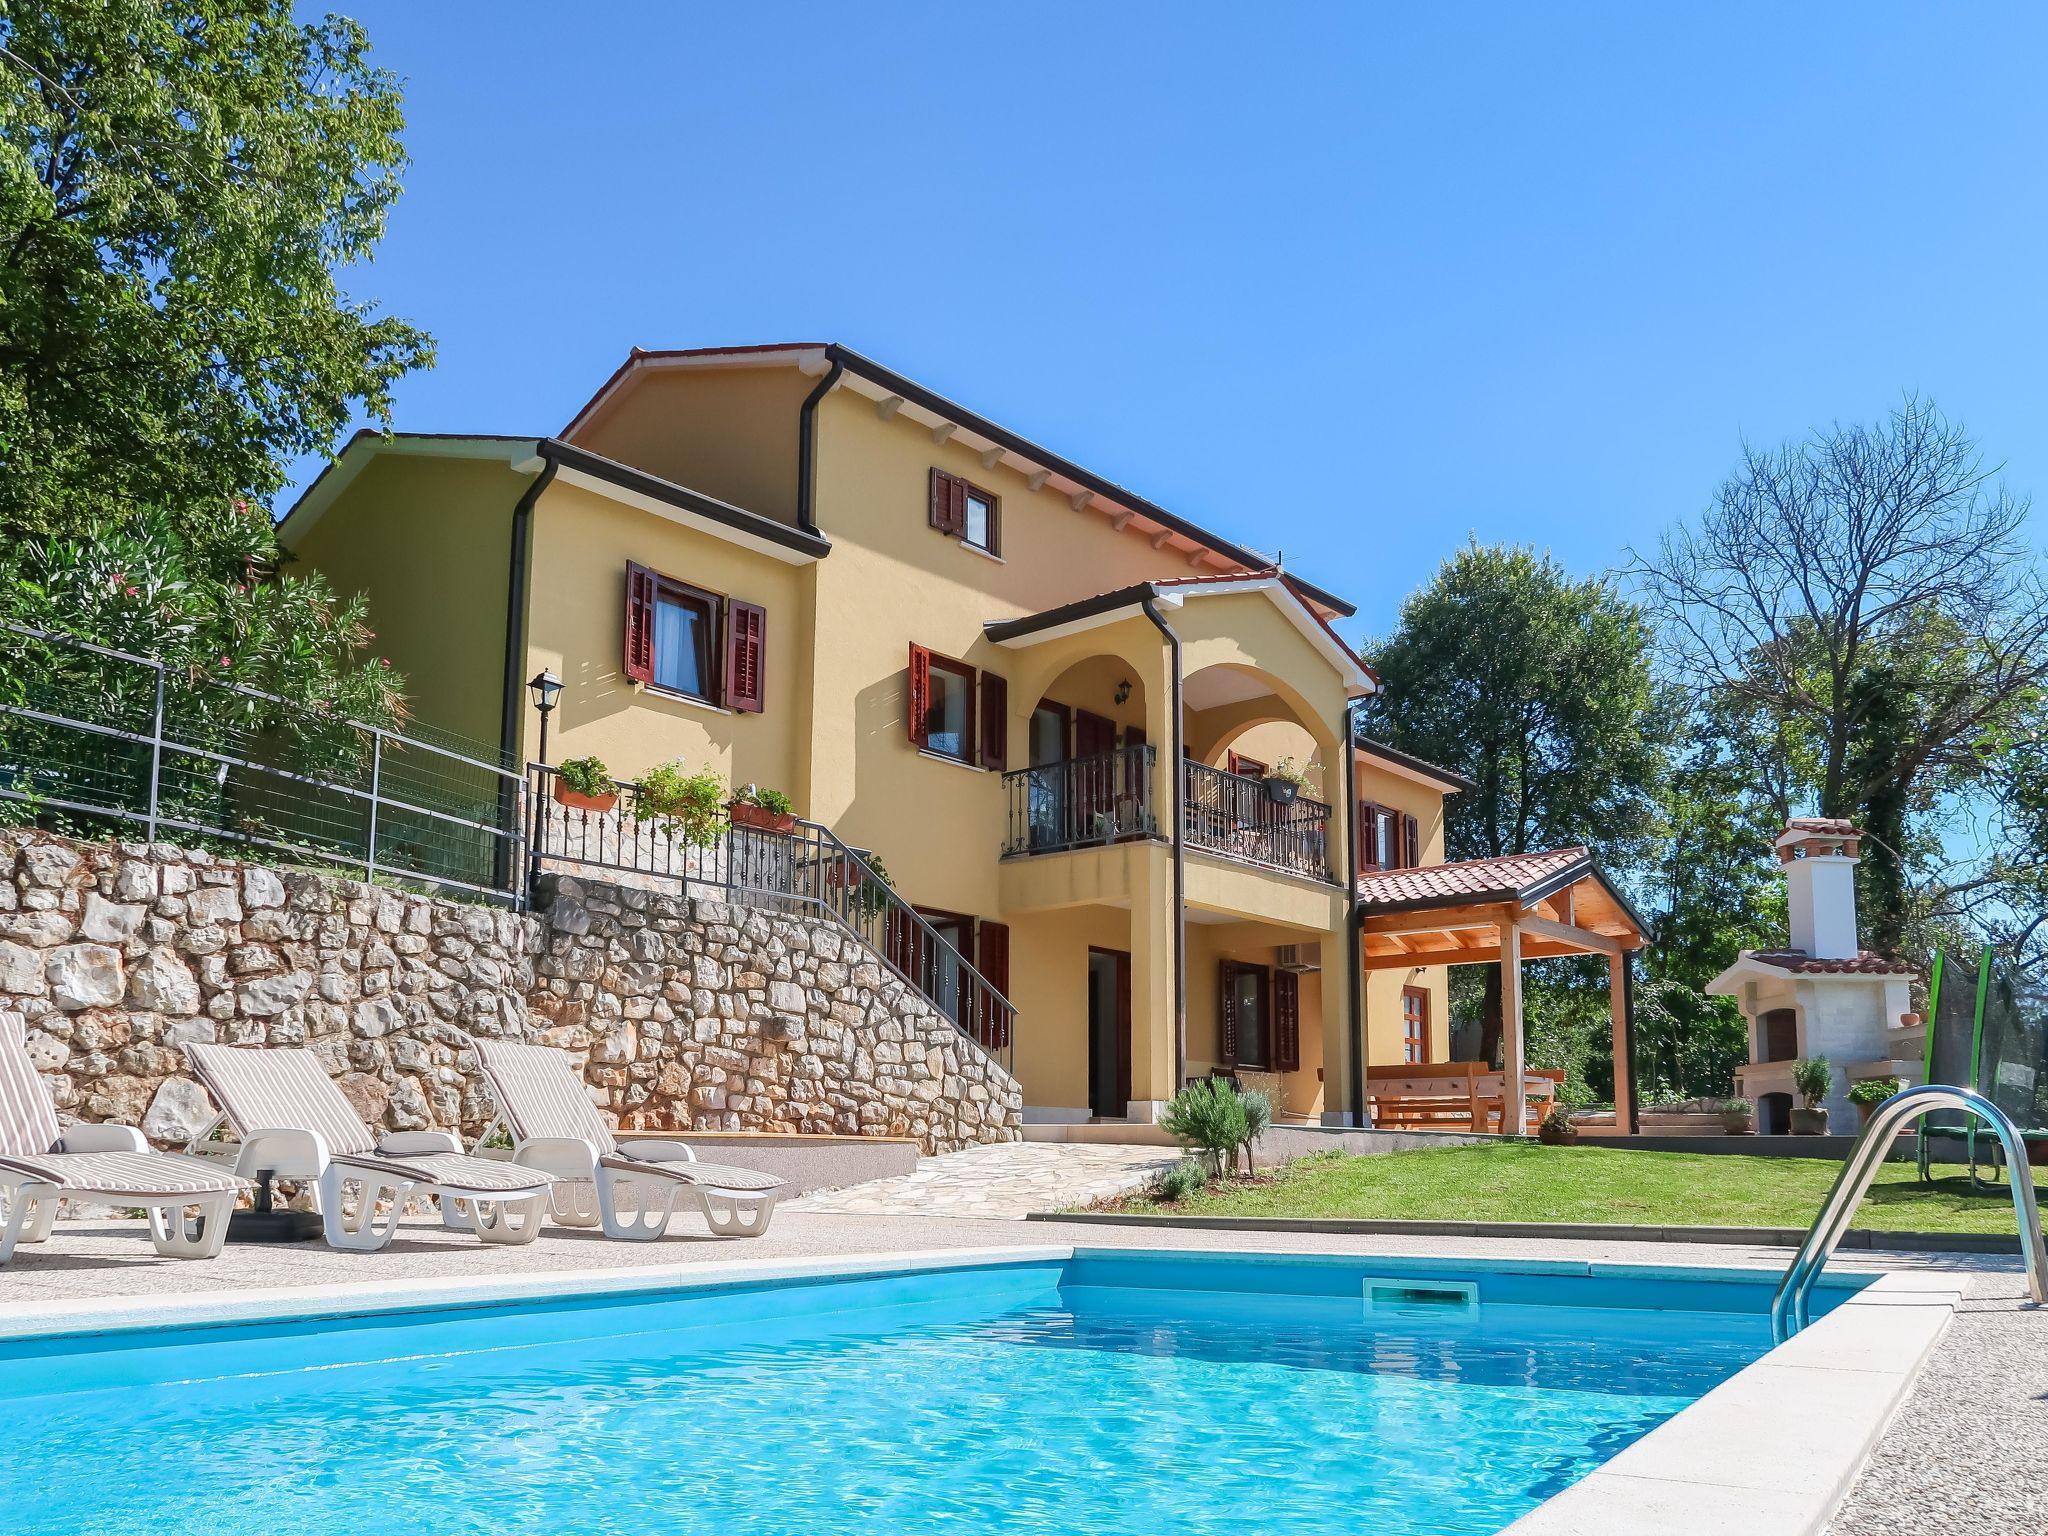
544, 1106
293, 1121
41, 1163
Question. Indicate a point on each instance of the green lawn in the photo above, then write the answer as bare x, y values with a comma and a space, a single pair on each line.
1526, 1182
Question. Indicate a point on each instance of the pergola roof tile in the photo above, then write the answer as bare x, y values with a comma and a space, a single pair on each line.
1511, 877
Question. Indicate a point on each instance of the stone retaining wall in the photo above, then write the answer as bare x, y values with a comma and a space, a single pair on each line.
688, 1013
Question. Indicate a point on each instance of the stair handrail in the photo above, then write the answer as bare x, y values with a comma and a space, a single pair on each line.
1791, 1305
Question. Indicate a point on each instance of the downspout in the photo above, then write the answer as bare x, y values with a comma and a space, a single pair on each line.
1176, 777
1354, 921
806, 440
515, 636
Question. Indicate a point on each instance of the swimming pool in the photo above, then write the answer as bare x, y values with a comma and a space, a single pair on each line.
1098, 1391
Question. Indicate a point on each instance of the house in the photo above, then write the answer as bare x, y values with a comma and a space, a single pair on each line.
1057, 712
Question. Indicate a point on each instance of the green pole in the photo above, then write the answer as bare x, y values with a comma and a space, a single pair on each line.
1927, 1060
1977, 1052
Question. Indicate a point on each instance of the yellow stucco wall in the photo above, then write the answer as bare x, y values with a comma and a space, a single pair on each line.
1383, 988
426, 540
582, 542
728, 432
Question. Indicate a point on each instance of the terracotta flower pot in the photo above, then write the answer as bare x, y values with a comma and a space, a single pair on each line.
1743, 1124
745, 815
577, 801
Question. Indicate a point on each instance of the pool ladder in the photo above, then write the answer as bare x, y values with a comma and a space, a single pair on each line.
1790, 1306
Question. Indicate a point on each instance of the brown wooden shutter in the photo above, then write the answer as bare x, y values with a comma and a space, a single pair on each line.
1368, 835
1286, 1022
746, 647
1226, 1016
947, 506
920, 695
639, 624
1411, 842
992, 959
995, 722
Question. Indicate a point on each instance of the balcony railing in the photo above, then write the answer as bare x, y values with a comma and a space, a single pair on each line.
1107, 798
1079, 803
1233, 815
806, 869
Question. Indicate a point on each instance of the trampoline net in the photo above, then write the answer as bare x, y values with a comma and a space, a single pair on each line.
1954, 1025
2012, 1070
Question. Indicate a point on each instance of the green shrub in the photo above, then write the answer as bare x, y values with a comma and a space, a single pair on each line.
687, 806
1208, 1115
1811, 1078
1738, 1106
587, 776
1873, 1091
1258, 1118
1186, 1177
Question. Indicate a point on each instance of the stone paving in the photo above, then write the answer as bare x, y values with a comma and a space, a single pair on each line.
1004, 1182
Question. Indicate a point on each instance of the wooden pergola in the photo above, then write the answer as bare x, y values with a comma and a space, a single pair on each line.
1526, 906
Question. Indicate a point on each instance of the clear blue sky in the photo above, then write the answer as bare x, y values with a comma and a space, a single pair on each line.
1351, 281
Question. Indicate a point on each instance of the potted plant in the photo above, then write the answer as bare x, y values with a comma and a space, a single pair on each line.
1810, 1080
1283, 781
1556, 1128
685, 806
769, 810
1738, 1117
585, 784
1871, 1092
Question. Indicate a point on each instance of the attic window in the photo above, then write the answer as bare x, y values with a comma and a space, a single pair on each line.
966, 512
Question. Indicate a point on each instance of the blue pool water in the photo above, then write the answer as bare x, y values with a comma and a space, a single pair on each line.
1105, 1393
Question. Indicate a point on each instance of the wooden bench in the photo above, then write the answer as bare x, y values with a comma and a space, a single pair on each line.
1454, 1096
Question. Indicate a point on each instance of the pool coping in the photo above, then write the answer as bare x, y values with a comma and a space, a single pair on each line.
1856, 1239
1771, 1451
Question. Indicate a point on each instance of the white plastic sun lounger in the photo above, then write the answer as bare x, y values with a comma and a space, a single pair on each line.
543, 1105
41, 1163
292, 1120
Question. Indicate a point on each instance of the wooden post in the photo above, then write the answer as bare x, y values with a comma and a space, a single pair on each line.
1624, 1068
1515, 1110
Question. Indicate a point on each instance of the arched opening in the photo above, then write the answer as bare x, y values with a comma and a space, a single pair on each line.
1088, 775
1256, 779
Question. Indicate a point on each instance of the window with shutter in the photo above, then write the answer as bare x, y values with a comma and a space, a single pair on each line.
965, 512
746, 645
1411, 842
1286, 1022
995, 722
920, 695
640, 586
1226, 1018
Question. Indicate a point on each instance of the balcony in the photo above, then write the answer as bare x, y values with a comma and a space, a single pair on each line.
1089, 802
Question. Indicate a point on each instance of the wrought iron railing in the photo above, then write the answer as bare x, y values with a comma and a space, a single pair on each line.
91, 735
1084, 801
1235, 815
806, 869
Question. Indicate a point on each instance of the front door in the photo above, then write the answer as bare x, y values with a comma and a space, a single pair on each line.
1109, 1034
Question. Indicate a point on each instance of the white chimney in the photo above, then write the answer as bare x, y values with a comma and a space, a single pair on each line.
1819, 858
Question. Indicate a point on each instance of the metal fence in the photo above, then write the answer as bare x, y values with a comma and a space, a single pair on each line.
94, 735
805, 869
1080, 802
1233, 814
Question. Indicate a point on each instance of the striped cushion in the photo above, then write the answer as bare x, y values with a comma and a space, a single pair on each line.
279, 1090
453, 1170
28, 1120
540, 1094
138, 1175
717, 1175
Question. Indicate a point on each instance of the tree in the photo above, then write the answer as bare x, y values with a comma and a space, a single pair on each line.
1538, 688
1866, 596
178, 186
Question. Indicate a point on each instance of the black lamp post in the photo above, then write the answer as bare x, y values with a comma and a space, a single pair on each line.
545, 688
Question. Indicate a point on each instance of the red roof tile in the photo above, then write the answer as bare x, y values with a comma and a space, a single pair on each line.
1503, 878
1867, 963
